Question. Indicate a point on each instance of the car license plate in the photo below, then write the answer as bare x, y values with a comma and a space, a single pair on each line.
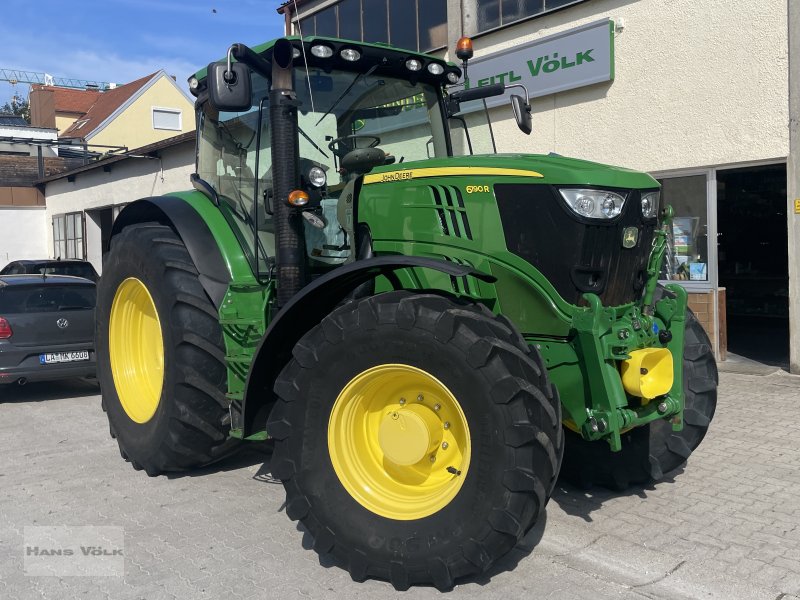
62, 357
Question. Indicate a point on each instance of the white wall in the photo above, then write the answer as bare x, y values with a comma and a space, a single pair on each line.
28, 133
697, 83
23, 234
128, 180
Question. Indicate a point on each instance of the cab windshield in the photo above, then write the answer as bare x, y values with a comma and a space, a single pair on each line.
338, 110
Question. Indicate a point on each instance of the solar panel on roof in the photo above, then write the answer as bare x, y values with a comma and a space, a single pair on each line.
13, 120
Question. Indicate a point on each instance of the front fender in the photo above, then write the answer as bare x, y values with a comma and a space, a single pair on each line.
307, 308
189, 225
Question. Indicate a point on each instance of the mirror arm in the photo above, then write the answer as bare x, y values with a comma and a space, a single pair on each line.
245, 55
519, 85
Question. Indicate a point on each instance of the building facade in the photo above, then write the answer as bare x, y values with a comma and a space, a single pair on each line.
703, 95
82, 203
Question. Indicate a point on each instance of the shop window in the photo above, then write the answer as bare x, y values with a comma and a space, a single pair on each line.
376, 21
414, 24
68, 236
497, 13
403, 24
326, 22
687, 251
350, 19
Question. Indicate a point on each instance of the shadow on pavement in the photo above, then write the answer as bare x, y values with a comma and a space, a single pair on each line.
252, 453
48, 390
582, 503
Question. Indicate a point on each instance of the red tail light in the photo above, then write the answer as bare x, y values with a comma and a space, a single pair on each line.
5, 329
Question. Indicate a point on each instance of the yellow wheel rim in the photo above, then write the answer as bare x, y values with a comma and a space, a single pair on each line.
399, 442
136, 349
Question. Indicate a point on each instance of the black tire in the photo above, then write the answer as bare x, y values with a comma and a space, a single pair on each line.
504, 391
650, 451
191, 422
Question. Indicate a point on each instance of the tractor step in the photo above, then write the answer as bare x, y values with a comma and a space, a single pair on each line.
242, 322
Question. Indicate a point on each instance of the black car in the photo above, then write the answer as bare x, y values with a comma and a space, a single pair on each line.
46, 328
73, 267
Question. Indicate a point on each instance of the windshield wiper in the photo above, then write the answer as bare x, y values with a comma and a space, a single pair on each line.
310, 141
347, 91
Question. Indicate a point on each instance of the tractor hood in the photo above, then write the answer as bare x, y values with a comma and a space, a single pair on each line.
537, 168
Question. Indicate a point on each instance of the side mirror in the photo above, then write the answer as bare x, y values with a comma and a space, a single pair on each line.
522, 114
229, 90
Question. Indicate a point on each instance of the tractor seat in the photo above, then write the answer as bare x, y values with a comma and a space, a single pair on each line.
363, 160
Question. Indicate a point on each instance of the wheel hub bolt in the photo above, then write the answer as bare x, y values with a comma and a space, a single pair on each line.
433, 459
437, 406
445, 445
447, 424
420, 398
402, 401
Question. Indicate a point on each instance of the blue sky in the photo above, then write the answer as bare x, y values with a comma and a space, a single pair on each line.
122, 40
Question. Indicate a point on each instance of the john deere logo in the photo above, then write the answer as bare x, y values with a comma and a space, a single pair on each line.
629, 237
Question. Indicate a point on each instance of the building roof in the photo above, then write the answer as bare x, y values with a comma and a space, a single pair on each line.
290, 5
149, 150
105, 104
69, 100
13, 120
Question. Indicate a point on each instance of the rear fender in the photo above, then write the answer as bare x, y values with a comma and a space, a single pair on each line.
178, 214
307, 308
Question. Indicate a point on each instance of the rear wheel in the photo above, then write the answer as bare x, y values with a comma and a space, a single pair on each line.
160, 354
650, 451
418, 439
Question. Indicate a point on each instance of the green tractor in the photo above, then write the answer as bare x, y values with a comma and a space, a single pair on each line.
425, 332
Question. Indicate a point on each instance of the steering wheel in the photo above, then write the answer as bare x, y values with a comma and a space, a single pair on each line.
342, 145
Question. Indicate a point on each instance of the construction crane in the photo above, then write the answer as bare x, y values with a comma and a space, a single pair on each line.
14, 76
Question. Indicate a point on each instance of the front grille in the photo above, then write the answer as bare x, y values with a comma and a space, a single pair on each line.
576, 255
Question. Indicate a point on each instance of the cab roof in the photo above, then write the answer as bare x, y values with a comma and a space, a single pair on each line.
390, 59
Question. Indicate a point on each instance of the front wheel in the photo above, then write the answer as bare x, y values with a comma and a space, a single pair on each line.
418, 439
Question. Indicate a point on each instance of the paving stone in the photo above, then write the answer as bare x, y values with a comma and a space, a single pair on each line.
726, 525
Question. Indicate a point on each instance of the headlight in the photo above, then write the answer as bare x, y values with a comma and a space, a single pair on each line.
316, 177
322, 51
650, 204
350, 54
595, 204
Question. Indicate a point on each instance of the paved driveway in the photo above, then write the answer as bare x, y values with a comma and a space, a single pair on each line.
728, 526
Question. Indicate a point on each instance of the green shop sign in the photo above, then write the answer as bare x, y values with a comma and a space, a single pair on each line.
564, 61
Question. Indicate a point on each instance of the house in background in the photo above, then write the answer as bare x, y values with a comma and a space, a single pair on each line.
59, 107
27, 154
132, 115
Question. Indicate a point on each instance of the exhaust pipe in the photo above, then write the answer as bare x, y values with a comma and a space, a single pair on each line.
22, 381
290, 245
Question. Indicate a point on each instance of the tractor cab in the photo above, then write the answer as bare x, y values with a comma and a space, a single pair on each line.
357, 108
